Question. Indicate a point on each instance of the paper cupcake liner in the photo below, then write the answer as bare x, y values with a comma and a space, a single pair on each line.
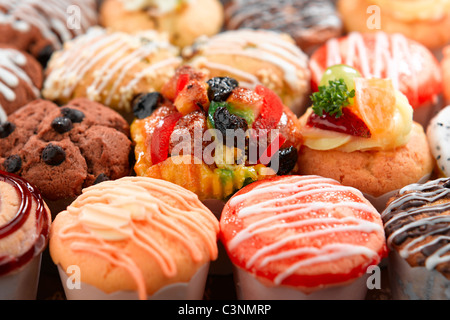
23, 283
415, 283
380, 202
192, 290
250, 288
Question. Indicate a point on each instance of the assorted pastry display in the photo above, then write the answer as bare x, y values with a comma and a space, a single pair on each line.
320, 134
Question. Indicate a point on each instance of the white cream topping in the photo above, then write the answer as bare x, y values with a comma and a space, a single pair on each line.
438, 133
161, 6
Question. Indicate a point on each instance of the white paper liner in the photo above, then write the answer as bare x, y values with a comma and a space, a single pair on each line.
415, 283
222, 265
23, 283
380, 202
248, 287
192, 290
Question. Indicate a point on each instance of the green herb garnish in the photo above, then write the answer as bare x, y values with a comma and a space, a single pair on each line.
332, 98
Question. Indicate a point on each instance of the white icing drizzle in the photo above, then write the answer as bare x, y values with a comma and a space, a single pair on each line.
264, 45
49, 16
12, 62
306, 213
431, 213
118, 53
392, 58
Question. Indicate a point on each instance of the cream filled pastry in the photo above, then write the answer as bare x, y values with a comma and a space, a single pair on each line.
140, 234
110, 67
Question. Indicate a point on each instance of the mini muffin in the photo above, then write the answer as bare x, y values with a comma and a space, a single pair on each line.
212, 136
21, 79
438, 134
135, 237
183, 21
64, 149
310, 23
24, 230
361, 132
40, 27
110, 67
416, 223
413, 69
301, 237
255, 57
427, 22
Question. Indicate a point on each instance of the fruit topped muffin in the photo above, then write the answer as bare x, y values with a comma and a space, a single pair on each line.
361, 132
212, 136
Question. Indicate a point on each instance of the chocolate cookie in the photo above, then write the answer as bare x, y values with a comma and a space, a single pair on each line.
40, 27
21, 79
310, 23
64, 149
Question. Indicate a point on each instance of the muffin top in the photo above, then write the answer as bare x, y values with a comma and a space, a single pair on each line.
416, 223
24, 222
139, 233
64, 149
307, 232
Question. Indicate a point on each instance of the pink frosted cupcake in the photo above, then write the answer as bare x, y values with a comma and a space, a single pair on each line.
301, 237
24, 226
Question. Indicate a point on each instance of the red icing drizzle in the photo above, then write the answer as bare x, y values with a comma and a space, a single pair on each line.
26, 193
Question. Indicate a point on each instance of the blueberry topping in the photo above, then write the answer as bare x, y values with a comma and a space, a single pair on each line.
220, 88
6, 128
145, 104
13, 164
62, 124
101, 178
224, 120
53, 155
45, 54
76, 116
287, 158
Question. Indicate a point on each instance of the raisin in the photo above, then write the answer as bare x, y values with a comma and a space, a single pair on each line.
287, 159
13, 164
225, 121
53, 155
74, 115
101, 178
62, 124
145, 104
220, 88
6, 128
45, 54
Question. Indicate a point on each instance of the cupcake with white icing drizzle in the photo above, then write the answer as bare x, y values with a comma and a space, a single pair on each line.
301, 237
255, 57
417, 224
110, 67
40, 27
135, 238
21, 79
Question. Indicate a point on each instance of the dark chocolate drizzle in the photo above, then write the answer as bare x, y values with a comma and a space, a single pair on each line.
418, 219
27, 193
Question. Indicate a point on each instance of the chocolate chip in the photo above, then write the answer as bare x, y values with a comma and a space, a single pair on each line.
53, 155
13, 163
6, 128
145, 104
101, 178
62, 124
76, 116
447, 184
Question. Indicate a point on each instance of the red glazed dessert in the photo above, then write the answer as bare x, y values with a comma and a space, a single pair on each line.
412, 67
24, 229
301, 237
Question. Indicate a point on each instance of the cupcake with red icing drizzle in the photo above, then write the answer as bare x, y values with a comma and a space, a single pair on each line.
361, 132
413, 69
24, 229
417, 223
301, 237
135, 238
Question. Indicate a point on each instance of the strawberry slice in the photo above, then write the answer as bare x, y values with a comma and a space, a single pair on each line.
348, 123
271, 110
160, 140
181, 83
